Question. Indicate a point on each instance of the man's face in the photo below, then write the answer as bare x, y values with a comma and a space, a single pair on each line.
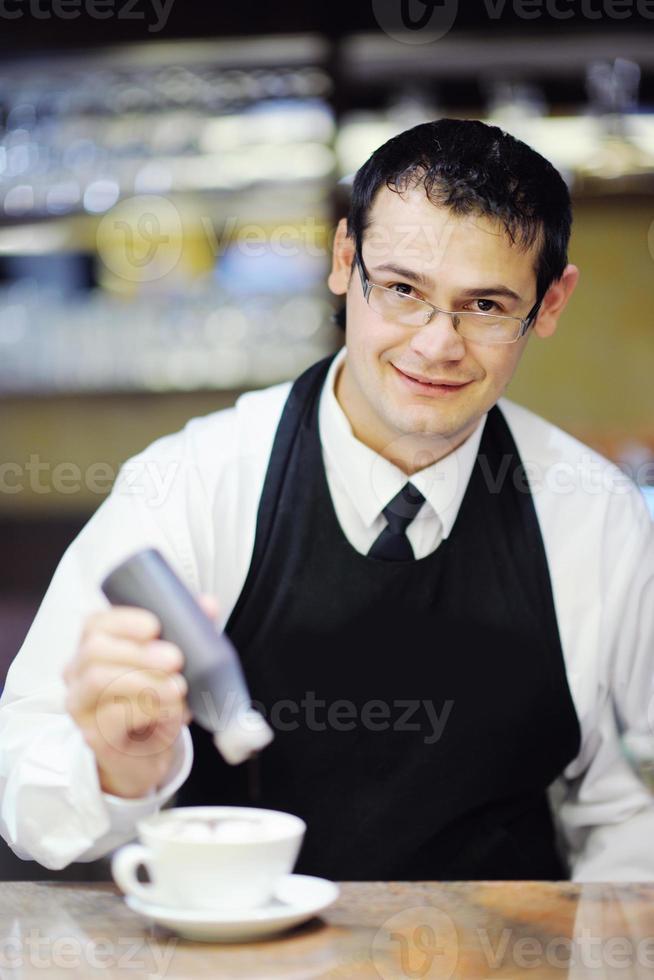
466, 263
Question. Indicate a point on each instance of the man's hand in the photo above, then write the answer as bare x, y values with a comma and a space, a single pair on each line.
126, 693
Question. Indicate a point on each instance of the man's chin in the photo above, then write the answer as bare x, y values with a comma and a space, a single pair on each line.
421, 425
433, 421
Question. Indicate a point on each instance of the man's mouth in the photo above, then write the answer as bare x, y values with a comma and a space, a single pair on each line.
435, 384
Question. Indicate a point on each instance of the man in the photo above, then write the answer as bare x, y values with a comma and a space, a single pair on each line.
442, 602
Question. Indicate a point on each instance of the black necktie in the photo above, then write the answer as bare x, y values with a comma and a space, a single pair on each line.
393, 544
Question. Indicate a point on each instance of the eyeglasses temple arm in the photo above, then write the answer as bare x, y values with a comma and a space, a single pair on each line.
533, 312
530, 318
365, 286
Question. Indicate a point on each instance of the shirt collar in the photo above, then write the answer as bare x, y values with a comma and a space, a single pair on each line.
371, 481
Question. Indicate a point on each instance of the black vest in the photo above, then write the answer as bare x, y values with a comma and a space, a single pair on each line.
421, 708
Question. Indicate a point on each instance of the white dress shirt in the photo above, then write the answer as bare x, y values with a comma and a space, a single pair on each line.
194, 495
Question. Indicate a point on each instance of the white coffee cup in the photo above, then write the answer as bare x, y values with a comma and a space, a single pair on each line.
210, 857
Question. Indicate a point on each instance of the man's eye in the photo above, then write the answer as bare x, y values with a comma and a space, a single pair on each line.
401, 287
486, 305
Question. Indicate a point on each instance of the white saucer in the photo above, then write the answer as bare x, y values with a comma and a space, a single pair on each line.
297, 898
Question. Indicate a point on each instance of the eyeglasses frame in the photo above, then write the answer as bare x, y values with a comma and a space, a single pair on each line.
525, 322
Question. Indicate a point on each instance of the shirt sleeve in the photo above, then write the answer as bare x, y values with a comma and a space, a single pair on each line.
608, 814
52, 808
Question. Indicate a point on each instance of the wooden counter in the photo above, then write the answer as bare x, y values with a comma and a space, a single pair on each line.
387, 930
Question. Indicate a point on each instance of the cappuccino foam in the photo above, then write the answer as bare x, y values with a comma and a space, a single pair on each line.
227, 830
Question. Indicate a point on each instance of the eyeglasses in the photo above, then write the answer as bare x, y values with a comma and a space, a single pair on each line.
482, 328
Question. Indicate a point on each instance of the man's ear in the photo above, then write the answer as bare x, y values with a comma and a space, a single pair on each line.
555, 301
342, 258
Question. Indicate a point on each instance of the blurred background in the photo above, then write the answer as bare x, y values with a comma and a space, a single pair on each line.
170, 176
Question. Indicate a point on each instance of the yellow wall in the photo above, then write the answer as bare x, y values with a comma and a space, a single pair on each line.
595, 377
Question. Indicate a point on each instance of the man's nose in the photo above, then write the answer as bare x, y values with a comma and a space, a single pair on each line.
438, 339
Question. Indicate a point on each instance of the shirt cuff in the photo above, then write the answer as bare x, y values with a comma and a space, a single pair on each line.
125, 812
619, 852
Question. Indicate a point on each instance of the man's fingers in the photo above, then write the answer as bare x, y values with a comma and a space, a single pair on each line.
107, 682
117, 749
126, 622
130, 722
104, 648
127, 729
209, 604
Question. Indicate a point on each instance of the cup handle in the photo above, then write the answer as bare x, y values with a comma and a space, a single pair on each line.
123, 867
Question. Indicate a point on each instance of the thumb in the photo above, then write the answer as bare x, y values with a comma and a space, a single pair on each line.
209, 604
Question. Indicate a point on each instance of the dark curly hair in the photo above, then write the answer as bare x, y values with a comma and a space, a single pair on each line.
472, 168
